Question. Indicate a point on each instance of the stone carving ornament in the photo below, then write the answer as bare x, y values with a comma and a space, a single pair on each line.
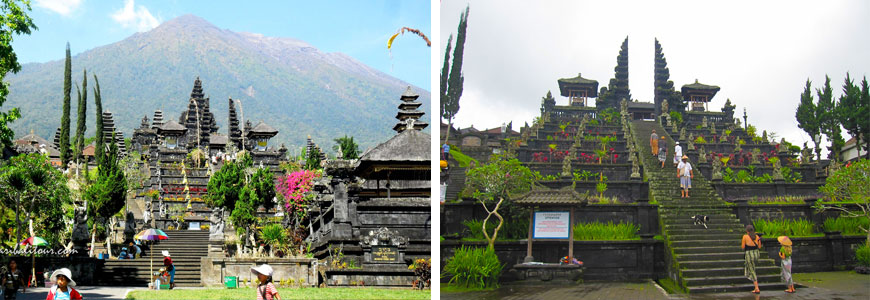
384, 237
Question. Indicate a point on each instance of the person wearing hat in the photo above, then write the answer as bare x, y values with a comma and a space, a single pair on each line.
685, 174
785, 255
62, 288
678, 152
167, 262
266, 289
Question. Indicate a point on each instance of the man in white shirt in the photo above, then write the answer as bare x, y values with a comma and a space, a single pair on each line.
685, 174
678, 152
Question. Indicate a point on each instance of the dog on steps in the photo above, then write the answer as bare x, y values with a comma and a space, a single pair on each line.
700, 220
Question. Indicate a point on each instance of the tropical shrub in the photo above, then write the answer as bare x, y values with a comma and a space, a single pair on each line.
597, 231
846, 225
791, 228
862, 255
294, 187
473, 268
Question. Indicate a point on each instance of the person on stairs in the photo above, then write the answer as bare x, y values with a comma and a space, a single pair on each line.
167, 262
678, 152
654, 142
663, 151
685, 174
750, 243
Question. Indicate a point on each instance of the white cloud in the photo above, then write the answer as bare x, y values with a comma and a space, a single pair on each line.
62, 7
135, 16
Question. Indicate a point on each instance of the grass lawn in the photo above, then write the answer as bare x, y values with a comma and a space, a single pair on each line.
284, 293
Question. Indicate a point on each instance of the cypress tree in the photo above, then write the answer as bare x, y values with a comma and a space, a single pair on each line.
807, 115
64, 118
80, 124
100, 144
828, 120
450, 100
849, 111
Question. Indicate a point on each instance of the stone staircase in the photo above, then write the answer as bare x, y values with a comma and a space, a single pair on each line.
185, 247
456, 182
703, 260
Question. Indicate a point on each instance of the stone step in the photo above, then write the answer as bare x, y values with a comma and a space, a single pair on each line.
726, 280
695, 273
706, 237
707, 249
702, 231
710, 225
712, 264
686, 218
709, 256
702, 243
733, 288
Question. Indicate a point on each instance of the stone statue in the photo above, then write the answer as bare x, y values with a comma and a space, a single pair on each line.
704, 122
782, 146
623, 106
673, 125
635, 170
566, 166
683, 133
80, 237
777, 170
738, 148
146, 216
129, 227
665, 108
216, 230
764, 136
737, 121
717, 169
756, 153
702, 156
713, 130
162, 209
806, 154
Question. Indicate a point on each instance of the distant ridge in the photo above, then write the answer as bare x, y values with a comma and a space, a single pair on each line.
285, 82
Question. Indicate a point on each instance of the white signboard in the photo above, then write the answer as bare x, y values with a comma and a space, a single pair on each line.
552, 225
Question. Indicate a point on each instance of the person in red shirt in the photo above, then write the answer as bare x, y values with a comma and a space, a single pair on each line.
62, 288
167, 262
266, 289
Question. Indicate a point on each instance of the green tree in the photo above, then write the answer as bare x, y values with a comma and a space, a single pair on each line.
224, 185
312, 159
13, 21
64, 118
451, 86
107, 195
349, 148
807, 116
849, 184
664, 87
494, 183
100, 144
864, 127
830, 126
243, 215
37, 190
851, 112
81, 124
263, 184
617, 89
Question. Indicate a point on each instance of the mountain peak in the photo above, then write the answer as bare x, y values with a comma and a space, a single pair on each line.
187, 21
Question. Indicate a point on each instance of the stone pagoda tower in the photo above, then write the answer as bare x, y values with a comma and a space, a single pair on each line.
408, 114
198, 120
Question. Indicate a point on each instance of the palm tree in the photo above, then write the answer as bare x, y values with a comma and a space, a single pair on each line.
17, 181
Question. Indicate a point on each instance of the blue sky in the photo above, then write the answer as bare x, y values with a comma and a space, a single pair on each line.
357, 28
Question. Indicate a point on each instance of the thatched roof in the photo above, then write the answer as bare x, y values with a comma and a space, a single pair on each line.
696, 88
541, 195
